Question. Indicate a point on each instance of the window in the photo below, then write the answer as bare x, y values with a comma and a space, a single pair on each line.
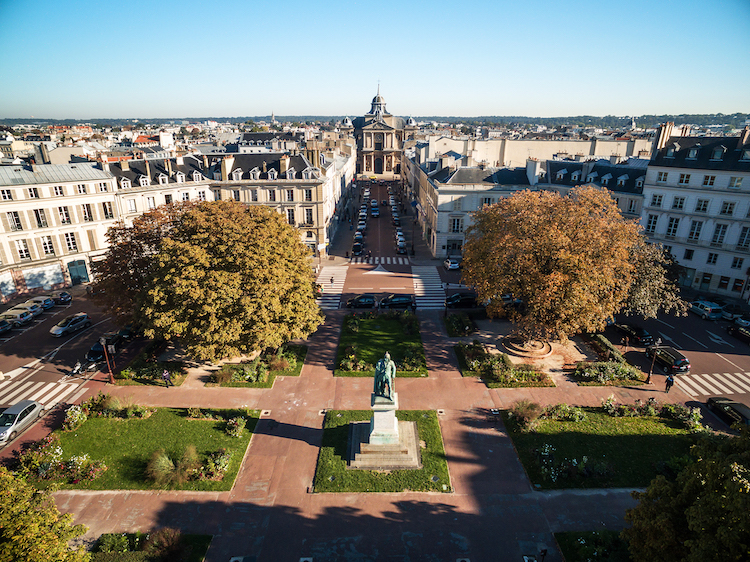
695, 230
688, 254
745, 155
701, 206
272, 195
743, 243
290, 216
651, 224
670, 152
253, 195
150, 203
738, 285
186, 196
41, 218
81, 189
217, 194
457, 224
718, 153
59, 191
678, 203
64, 215
197, 176
720, 230
237, 174
236, 194
70, 241
125, 183
163, 179
310, 234
735, 182
684, 179
575, 175
6, 194
308, 195
168, 199
308, 216
661, 177
201, 196
561, 174
737, 263
632, 206
672, 226
179, 177
712, 258
290, 195
132, 208
88, 216
486, 201
23, 250
639, 182
692, 153
144, 181
723, 282
107, 208
656, 200
668, 250
103, 187
272, 174
47, 246
33, 193
708, 181
457, 204
14, 221
727, 208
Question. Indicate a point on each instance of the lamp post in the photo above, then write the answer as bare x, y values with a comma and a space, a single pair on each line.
653, 360
103, 341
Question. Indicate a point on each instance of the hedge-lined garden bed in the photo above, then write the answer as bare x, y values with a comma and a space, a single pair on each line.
497, 370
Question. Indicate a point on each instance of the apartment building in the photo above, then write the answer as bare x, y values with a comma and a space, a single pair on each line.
697, 203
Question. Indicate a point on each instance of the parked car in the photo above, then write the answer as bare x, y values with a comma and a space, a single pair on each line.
398, 301
96, 353
32, 307
129, 331
61, 297
670, 360
461, 300
17, 418
70, 324
17, 318
743, 320
742, 334
45, 302
366, 300
375, 213
731, 311
373, 203
451, 263
5, 326
357, 248
396, 221
706, 309
636, 334
401, 248
359, 236
729, 411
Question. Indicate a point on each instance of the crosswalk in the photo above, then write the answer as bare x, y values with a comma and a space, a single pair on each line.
47, 393
428, 287
712, 384
330, 298
388, 260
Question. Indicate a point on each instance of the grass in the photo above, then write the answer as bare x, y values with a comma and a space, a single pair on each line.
622, 452
596, 545
376, 336
299, 351
331, 474
195, 545
126, 446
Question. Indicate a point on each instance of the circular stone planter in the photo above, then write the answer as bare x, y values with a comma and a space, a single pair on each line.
532, 349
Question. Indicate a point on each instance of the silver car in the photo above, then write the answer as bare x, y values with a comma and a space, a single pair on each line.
17, 418
70, 324
31, 307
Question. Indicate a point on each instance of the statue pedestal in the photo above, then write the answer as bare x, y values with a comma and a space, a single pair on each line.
383, 443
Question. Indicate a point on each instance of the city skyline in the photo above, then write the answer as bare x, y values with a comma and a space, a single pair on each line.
540, 59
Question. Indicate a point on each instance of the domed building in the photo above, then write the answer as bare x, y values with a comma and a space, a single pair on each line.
380, 140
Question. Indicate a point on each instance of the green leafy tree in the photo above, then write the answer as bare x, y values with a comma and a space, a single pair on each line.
702, 514
31, 527
571, 259
229, 279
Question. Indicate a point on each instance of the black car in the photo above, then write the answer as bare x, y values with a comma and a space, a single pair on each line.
357, 248
111, 339
636, 334
729, 411
742, 334
61, 297
461, 300
5, 326
398, 301
366, 300
670, 360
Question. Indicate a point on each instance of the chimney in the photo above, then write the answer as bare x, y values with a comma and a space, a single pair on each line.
744, 137
205, 162
663, 135
148, 169
614, 159
125, 165
180, 161
168, 166
226, 167
264, 168
283, 164
533, 169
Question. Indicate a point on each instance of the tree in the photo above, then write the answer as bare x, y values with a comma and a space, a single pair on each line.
31, 527
225, 279
569, 258
703, 513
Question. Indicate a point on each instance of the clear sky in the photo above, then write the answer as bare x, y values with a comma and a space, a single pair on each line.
86, 59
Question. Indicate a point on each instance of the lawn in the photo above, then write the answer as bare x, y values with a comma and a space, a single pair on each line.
194, 548
370, 335
331, 474
126, 445
599, 452
297, 352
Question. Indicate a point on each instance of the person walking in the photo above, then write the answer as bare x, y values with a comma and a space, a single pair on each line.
167, 378
669, 383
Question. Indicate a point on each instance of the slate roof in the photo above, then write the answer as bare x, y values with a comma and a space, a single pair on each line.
248, 162
25, 174
602, 169
137, 168
732, 157
266, 138
477, 176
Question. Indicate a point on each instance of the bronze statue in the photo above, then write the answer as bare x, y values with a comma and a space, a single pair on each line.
385, 373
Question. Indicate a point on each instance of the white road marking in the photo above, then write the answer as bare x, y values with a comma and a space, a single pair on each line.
695, 340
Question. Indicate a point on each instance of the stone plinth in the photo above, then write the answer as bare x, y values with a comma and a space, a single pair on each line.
383, 425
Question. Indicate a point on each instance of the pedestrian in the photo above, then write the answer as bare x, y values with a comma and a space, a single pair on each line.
331, 280
669, 383
167, 378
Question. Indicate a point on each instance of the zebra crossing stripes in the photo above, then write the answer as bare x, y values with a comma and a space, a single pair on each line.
428, 287
47, 393
387, 260
708, 384
330, 294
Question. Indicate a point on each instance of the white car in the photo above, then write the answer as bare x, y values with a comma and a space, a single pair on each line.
17, 418
31, 307
451, 263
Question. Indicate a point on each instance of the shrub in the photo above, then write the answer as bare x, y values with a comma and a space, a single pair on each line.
413, 358
82, 468
127, 374
165, 544
563, 412
459, 324
607, 349
235, 426
160, 467
525, 413
689, 417
606, 371
74, 418
194, 413
137, 411
278, 364
216, 465
41, 459
223, 375
113, 542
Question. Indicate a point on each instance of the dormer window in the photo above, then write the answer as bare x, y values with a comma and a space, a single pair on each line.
575, 176
561, 174
237, 174
144, 181
124, 183
255, 174
670, 152
179, 177
745, 154
197, 176
718, 153
272, 174
592, 177
639, 182
163, 179
290, 174
606, 178
621, 180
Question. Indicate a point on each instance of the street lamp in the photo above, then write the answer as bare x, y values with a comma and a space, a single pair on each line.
653, 360
103, 341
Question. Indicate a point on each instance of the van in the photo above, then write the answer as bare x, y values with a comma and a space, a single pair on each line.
706, 309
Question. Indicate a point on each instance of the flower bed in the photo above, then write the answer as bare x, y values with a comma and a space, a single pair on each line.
162, 545
607, 373
497, 370
146, 369
460, 324
287, 361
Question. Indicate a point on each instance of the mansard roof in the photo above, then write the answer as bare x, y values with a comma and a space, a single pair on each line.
678, 151
600, 170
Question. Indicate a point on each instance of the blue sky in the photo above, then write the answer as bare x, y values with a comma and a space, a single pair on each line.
85, 59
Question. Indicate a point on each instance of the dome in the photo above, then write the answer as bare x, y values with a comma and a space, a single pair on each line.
378, 99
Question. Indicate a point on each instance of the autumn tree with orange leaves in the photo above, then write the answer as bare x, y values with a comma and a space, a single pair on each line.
573, 260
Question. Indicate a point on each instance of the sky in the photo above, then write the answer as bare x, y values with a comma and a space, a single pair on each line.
84, 59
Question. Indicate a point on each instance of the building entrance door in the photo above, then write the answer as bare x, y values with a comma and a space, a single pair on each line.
378, 165
705, 281
78, 272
